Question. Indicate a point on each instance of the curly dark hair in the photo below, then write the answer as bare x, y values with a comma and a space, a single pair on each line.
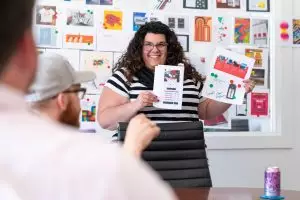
132, 60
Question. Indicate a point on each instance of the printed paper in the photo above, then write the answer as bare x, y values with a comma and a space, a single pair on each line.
168, 86
225, 80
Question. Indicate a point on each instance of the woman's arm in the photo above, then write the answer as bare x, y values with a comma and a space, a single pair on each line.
210, 109
114, 108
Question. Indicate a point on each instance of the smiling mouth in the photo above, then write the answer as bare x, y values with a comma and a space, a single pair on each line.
154, 56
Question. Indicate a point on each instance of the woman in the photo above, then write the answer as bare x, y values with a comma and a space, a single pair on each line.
129, 91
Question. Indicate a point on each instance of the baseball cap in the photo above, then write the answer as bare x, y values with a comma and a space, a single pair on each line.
55, 75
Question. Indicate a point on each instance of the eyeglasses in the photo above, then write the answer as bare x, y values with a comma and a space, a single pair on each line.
149, 46
80, 92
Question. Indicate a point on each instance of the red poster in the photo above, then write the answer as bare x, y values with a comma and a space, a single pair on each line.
260, 104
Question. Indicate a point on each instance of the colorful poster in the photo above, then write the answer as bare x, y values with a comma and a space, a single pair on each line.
228, 4
296, 31
113, 20
260, 77
180, 24
100, 2
99, 62
80, 38
139, 19
222, 27
76, 17
260, 32
46, 15
242, 31
259, 104
203, 29
227, 73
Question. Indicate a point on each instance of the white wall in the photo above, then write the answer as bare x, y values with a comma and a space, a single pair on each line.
244, 168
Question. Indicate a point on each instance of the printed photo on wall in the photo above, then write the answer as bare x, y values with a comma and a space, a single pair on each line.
258, 5
100, 2
46, 15
99, 62
259, 104
242, 31
225, 80
195, 4
80, 17
203, 29
139, 19
296, 31
261, 57
46, 36
180, 24
260, 32
260, 77
184, 41
242, 110
158, 4
228, 4
113, 20
222, 30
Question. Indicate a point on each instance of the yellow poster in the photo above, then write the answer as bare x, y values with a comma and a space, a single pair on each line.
113, 20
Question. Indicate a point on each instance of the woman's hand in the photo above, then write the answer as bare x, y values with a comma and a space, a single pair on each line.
140, 132
146, 99
249, 85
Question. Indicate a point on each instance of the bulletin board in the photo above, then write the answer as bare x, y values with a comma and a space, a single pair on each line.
92, 34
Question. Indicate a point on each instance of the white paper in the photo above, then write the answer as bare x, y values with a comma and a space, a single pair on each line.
99, 62
222, 30
284, 32
168, 86
71, 55
224, 83
260, 32
88, 114
178, 23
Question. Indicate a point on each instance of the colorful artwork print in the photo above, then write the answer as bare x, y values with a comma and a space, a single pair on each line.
258, 5
259, 104
80, 18
296, 31
228, 4
113, 20
203, 29
242, 31
258, 75
77, 38
46, 15
195, 4
225, 80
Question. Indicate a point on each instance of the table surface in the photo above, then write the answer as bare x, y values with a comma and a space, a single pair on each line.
228, 194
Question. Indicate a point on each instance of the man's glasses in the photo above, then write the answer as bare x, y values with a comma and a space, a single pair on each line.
149, 46
80, 92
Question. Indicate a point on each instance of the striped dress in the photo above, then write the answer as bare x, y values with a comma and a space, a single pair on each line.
191, 99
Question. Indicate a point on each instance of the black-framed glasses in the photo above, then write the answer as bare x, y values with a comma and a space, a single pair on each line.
149, 46
80, 92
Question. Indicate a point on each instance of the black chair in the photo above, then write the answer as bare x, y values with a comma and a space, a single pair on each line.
178, 154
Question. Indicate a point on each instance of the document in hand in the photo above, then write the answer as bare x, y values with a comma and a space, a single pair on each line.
227, 72
168, 86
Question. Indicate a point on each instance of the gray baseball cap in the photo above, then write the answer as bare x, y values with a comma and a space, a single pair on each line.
55, 75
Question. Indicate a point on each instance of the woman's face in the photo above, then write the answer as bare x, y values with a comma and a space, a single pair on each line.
155, 50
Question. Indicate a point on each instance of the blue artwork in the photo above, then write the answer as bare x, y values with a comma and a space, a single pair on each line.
48, 37
139, 19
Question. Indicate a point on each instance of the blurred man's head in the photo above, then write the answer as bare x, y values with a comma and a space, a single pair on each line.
56, 90
17, 49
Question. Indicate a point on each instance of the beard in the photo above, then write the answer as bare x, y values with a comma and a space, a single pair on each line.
70, 116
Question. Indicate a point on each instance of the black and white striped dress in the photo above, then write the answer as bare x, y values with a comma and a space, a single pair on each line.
191, 99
